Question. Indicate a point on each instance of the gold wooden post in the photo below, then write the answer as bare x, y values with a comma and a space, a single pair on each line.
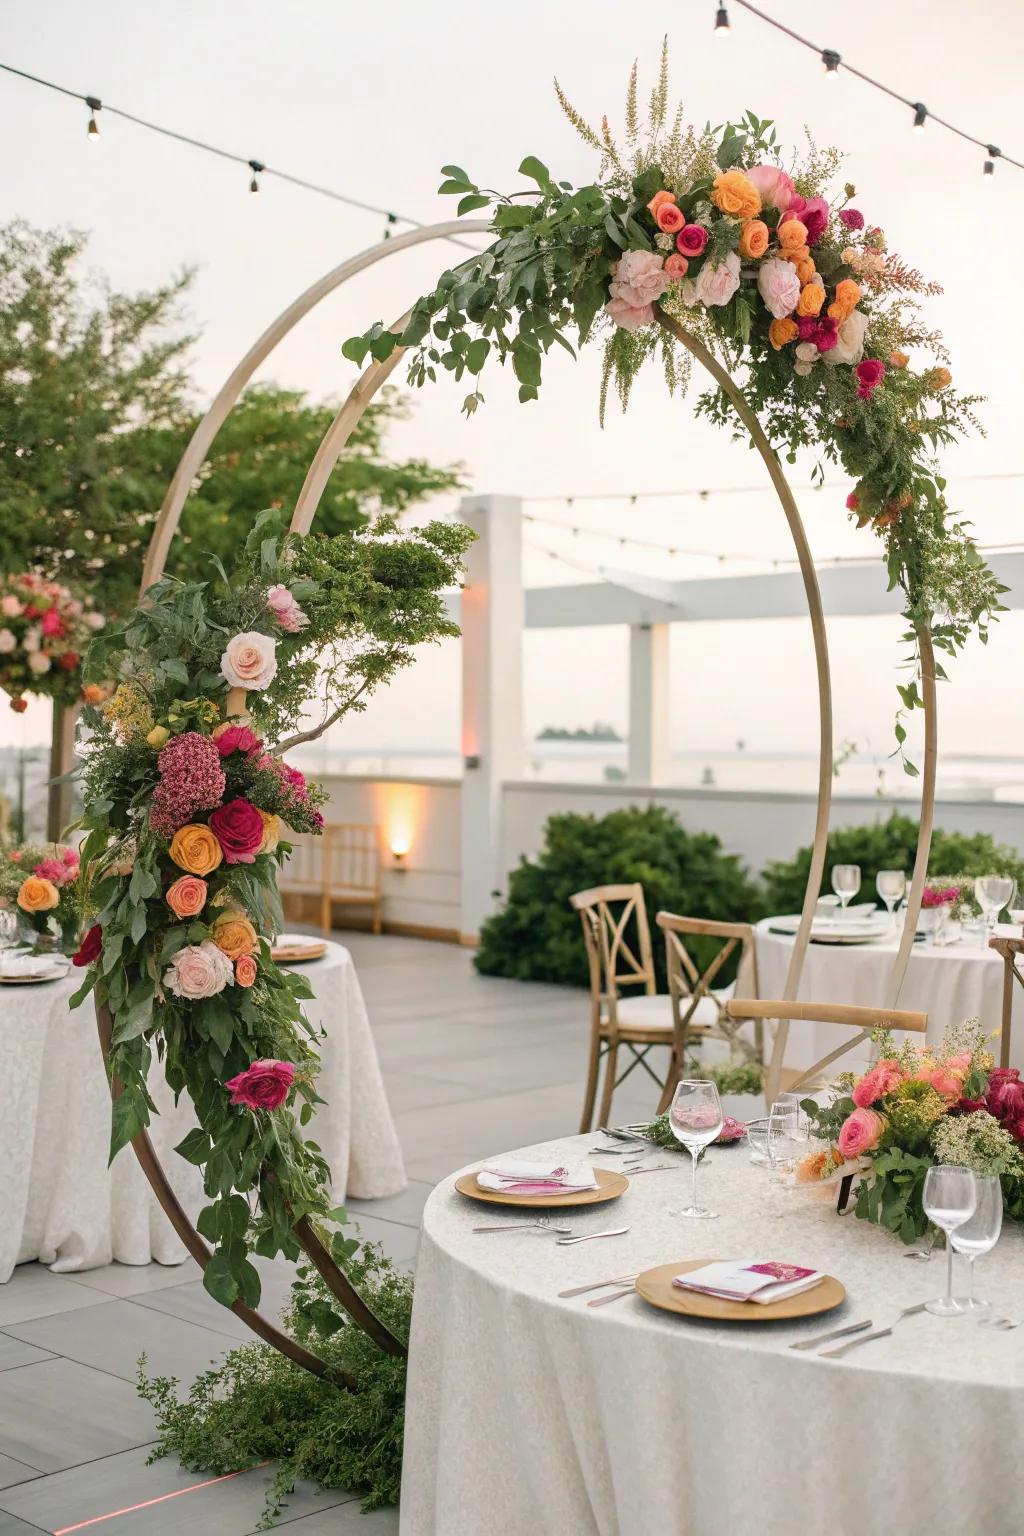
62, 758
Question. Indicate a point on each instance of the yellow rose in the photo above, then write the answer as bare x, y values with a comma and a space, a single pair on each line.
235, 935
754, 239
782, 331
38, 895
159, 736
811, 299
195, 849
271, 832
736, 195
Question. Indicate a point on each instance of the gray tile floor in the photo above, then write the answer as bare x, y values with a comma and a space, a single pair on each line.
473, 1065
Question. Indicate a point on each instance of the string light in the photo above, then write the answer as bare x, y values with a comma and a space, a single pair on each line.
989, 168
257, 166
721, 22
920, 116
831, 61
95, 105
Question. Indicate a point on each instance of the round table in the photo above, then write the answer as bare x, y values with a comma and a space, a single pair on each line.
62, 1205
529, 1413
949, 982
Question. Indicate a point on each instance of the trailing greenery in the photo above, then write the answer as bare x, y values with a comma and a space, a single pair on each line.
536, 934
890, 844
256, 1406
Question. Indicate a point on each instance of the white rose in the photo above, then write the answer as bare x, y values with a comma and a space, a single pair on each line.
779, 287
31, 640
7, 642
803, 369
199, 970
716, 285
807, 352
850, 346
95, 620
250, 661
38, 662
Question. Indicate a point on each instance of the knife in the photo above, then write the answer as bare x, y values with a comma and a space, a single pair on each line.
826, 1338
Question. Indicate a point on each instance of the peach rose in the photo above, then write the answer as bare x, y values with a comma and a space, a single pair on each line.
754, 239
245, 970
780, 332
898, 360
198, 970
811, 299
779, 287
939, 378
271, 832
250, 660
734, 193
195, 849
234, 935
638, 277
670, 219
774, 186
629, 316
92, 693
792, 234
716, 285
187, 896
37, 894
658, 202
861, 1132
798, 255
805, 269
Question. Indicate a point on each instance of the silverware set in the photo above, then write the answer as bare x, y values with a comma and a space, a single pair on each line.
1000, 1324
564, 1236
854, 1328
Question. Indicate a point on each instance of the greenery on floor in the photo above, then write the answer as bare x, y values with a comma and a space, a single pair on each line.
536, 935
257, 1407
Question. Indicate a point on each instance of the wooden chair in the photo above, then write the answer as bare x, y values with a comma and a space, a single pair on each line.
342, 867
698, 1008
863, 1020
1011, 951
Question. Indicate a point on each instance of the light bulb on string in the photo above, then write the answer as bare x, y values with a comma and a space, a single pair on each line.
392, 219
831, 61
920, 116
989, 168
722, 27
256, 166
95, 105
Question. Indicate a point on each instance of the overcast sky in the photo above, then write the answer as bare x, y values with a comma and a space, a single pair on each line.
373, 100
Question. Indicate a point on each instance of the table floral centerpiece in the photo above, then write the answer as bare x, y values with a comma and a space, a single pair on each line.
39, 881
44, 632
918, 1106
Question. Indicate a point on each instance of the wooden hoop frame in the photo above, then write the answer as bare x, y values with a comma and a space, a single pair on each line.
327, 455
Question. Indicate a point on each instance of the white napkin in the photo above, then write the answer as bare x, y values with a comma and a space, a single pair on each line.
746, 1280
30, 965
516, 1175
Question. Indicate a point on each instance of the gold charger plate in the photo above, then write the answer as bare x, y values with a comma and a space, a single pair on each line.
655, 1286
610, 1187
290, 954
32, 981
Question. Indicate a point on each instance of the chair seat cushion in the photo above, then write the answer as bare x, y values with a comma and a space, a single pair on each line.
655, 1012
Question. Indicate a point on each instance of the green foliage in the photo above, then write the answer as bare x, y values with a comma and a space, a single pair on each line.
536, 936
892, 1199
256, 1406
890, 844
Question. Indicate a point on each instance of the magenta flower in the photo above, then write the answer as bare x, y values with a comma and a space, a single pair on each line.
815, 218
191, 780
238, 827
691, 240
870, 374
264, 1085
852, 218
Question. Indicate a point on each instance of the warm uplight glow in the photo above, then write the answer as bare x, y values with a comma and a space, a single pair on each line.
399, 844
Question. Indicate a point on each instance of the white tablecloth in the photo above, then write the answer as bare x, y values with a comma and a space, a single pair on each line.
60, 1204
948, 982
527, 1415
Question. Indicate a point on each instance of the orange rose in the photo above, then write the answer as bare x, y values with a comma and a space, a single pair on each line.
670, 219
195, 849
187, 896
939, 378
38, 895
811, 299
754, 239
245, 970
234, 935
782, 331
658, 202
735, 194
271, 832
805, 270
898, 359
798, 254
792, 234
92, 693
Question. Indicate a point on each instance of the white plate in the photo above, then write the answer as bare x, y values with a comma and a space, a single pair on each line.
829, 930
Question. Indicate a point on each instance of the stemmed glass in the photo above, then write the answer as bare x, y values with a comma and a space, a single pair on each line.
695, 1116
784, 1136
950, 1196
891, 885
845, 881
979, 1234
994, 892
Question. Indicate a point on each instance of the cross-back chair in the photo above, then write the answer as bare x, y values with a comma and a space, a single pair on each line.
1012, 952
698, 1007
861, 1019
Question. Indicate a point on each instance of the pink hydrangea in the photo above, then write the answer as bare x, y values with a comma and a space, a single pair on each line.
191, 780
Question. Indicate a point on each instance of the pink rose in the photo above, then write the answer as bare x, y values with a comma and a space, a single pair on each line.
53, 624
198, 970
639, 278
884, 1077
691, 240
676, 266
631, 317
236, 738
779, 287
716, 285
71, 856
827, 335
54, 870
286, 610
250, 661
775, 187
860, 1133
245, 970
852, 218
797, 204
238, 827
10, 606
264, 1085
870, 374
815, 218
946, 1083
852, 502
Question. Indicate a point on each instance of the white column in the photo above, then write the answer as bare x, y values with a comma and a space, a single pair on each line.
648, 703
492, 694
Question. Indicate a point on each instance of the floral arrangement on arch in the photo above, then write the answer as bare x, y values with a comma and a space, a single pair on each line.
764, 259
39, 881
189, 804
916, 1107
44, 633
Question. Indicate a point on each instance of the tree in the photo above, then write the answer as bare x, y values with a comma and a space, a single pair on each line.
96, 408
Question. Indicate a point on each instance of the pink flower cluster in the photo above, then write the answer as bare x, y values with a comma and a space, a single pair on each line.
940, 896
62, 871
285, 609
191, 780
1004, 1099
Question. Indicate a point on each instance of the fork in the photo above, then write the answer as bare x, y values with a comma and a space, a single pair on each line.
625, 1290
598, 1285
588, 1237
865, 1338
658, 1168
1000, 1324
542, 1222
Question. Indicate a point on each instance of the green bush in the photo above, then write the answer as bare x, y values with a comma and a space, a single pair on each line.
537, 937
889, 844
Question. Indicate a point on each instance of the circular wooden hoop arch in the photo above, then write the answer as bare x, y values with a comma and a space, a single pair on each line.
330, 449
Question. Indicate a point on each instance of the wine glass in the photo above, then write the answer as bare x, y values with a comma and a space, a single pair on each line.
845, 881
695, 1116
950, 1196
979, 1234
891, 885
993, 893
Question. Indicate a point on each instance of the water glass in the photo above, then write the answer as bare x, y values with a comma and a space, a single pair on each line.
891, 885
695, 1116
845, 881
8, 928
757, 1141
993, 893
979, 1234
786, 1136
950, 1197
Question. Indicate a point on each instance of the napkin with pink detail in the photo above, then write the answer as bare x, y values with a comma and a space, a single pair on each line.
517, 1176
739, 1280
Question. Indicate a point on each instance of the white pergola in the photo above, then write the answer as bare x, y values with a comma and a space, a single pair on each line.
494, 608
